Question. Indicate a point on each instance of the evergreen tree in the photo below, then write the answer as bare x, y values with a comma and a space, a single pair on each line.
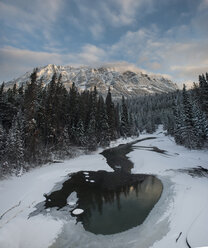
91, 135
189, 134
63, 146
179, 124
54, 119
2, 143
103, 132
200, 125
124, 119
31, 129
80, 134
150, 123
111, 115
73, 105
2, 92
15, 145
132, 126
203, 95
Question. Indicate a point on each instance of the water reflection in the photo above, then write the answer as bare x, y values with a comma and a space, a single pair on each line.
113, 202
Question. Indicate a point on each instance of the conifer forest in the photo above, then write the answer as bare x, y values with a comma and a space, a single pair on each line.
41, 124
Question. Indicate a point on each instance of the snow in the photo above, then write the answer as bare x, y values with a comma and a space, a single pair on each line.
78, 211
103, 77
71, 204
72, 199
28, 190
195, 237
186, 213
37, 232
182, 207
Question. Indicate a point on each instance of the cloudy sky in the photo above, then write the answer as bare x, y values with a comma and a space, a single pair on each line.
160, 36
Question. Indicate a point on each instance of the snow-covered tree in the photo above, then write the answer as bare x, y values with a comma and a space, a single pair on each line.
124, 119
80, 134
2, 142
15, 145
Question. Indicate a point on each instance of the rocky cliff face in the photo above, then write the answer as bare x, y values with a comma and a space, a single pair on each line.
126, 83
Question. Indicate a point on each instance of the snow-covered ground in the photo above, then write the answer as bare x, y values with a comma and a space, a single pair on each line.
180, 214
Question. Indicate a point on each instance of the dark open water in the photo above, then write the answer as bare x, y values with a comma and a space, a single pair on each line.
112, 201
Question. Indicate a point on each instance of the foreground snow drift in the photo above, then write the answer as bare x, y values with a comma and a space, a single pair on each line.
178, 216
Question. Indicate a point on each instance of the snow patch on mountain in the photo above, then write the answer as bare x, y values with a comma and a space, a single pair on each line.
126, 81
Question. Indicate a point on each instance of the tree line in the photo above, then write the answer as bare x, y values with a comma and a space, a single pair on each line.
191, 115
39, 124
183, 114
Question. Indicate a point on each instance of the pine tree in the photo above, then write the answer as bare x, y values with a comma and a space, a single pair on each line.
2, 143
63, 146
132, 126
179, 126
81, 138
73, 105
111, 115
203, 89
66, 142
189, 132
15, 145
117, 120
103, 132
150, 123
124, 119
2, 91
51, 121
8, 108
200, 125
31, 129
91, 134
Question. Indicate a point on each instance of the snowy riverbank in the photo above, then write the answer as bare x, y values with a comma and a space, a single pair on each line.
180, 214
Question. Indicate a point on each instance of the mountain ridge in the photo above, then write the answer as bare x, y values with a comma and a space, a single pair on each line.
127, 82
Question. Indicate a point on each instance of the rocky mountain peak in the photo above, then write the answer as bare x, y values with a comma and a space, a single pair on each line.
122, 82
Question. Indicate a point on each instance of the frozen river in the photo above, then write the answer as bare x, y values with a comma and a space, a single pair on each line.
165, 182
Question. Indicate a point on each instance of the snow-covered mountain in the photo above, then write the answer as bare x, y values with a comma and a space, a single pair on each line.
122, 82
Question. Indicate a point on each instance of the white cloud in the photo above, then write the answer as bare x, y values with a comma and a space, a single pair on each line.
97, 30
128, 10
35, 18
170, 52
90, 18
39, 17
117, 13
203, 5
183, 60
199, 21
154, 66
118, 16
190, 71
15, 62
123, 66
91, 54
